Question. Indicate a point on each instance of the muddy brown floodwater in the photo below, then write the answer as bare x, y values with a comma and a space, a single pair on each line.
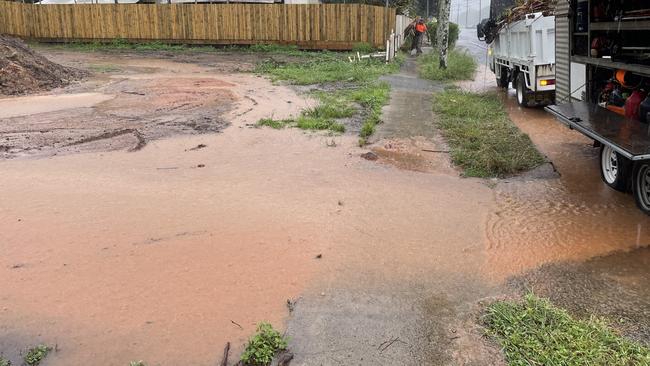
166, 252
546, 216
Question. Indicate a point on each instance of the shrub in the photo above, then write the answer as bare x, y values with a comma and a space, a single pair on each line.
263, 346
36, 354
454, 32
363, 48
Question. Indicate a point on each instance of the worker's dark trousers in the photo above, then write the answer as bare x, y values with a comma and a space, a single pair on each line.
417, 41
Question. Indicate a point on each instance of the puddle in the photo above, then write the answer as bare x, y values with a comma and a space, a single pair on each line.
575, 216
31, 105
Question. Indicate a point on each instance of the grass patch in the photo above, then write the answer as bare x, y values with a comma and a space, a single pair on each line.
4, 362
340, 104
276, 124
484, 142
535, 332
304, 122
35, 355
460, 66
121, 44
372, 97
365, 91
263, 346
307, 122
326, 69
137, 363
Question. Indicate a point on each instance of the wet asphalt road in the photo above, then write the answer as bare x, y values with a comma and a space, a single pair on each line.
468, 41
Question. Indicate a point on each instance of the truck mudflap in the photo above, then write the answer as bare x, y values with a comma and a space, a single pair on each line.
629, 138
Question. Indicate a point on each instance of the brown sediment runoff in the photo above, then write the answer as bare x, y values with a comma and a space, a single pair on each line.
574, 216
162, 254
143, 256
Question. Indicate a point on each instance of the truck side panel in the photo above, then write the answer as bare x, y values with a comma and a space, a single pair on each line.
562, 52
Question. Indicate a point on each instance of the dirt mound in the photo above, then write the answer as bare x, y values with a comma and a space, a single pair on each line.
24, 71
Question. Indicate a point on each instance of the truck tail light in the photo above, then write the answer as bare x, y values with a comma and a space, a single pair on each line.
546, 82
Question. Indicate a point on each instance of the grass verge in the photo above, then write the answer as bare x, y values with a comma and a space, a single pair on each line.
535, 332
122, 44
483, 140
460, 66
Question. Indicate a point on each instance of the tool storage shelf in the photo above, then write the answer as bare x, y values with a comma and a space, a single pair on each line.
643, 70
621, 25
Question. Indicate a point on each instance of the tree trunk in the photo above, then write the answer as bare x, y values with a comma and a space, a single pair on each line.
444, 7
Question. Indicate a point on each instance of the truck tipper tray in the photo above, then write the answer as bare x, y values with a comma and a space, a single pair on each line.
629, 138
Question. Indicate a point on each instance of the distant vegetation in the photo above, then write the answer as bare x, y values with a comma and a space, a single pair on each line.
535, 332
460, 66
454, 32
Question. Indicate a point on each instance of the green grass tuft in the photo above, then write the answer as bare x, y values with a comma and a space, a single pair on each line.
273, 123
263, 346
35, 355
137, 363
316, 123
484, 142
4, 362
121, 44
372, 97
460, 66
363, 48
534, 332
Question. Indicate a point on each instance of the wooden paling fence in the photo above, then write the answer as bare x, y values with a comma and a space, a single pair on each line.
316, 26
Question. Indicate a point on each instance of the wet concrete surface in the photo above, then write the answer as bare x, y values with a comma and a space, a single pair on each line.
614, 287
407, 138
117, 256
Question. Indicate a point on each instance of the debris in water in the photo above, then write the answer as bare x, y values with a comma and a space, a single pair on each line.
285, 358
226, 351
198, 147
370, 156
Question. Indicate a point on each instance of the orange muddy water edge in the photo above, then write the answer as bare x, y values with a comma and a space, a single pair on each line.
166, 253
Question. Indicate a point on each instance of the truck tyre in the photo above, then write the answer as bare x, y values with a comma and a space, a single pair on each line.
641, 186
523, 93
615, 169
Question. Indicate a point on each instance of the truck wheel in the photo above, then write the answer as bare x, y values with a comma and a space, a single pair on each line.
523, 93
641, 186
614, 169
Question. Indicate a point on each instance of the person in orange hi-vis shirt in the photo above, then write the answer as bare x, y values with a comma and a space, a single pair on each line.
420, 29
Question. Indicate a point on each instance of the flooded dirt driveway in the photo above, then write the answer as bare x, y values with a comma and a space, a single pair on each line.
166, 252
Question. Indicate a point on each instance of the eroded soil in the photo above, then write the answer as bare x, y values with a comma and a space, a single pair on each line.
132, 99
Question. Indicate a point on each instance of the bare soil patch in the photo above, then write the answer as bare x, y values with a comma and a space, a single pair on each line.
129, 100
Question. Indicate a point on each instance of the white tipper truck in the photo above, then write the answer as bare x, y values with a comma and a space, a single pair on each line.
523, 53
